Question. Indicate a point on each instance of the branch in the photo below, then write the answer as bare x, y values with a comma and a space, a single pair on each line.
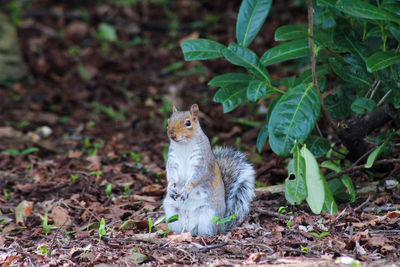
360, 167
313, 64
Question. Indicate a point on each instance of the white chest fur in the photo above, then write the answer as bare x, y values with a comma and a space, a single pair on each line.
184, 158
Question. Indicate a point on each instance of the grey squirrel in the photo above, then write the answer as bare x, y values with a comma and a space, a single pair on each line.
203, 184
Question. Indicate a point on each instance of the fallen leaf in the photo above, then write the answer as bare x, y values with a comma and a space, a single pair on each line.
194, 35
153, 189
254, 257
9, 132
387, 248
184, 237
376, 242
60, 216
144, 198
23, 210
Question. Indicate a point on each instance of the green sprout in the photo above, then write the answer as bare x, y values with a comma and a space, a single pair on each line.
46, 227
109, 189
102, 229
219, 221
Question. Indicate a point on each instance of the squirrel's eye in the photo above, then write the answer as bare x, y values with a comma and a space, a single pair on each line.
187, 123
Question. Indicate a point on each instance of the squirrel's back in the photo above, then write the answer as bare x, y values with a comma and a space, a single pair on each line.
239, 178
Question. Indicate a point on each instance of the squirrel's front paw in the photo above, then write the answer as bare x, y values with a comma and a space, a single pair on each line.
172, 192
183, 195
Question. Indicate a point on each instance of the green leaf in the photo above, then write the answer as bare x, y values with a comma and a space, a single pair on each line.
291, 32
329, 3
329, 202
362, 9
374, 154
229, 78
318, 145
363, 105
262, 137
292, 118
106, 32
173, 218
349, 73
314, 181
296, 190
290, 50
350, 189
231, 96
331, 166
29, 150
251, 17
200, 49
257, 89
395, 30
381, 60
338, 106
244, 57
349, 40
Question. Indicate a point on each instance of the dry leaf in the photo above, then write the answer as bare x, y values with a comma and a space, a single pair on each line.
194, 35
144, 198
60, 216
184, 237
376, 242
23, 210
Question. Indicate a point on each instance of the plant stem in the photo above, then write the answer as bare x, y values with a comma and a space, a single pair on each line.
276, 89
313, 64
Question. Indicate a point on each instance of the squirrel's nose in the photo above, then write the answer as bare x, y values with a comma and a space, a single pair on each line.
172, 134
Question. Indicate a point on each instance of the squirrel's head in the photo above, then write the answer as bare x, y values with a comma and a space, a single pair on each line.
183, 125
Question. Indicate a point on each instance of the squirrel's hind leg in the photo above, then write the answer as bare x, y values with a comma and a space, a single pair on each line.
171, 210
202, 217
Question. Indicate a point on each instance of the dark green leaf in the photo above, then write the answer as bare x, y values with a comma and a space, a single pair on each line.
391, 6
231, 96
338, 107
362, 9
330, 3
347, 39
262, 137
314, 181
290, 50
241, 56
329, 202
29, 150
256, 90
271, 107
106, 32
306, 76
395, 30
350, 189
296, 190
292, 118
331, 166
363, 105
290, 32
200, 49
375, 154
229, 78
381, 60
350, 73
318, 146
251, 17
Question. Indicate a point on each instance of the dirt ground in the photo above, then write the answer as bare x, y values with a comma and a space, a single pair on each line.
83, 139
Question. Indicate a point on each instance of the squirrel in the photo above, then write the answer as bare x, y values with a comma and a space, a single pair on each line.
203, 184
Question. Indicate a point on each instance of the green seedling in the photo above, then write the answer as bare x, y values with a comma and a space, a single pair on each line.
127, 190
20, 124
135, 156
282, 210
214, 140
102, 229
115, 115
219, 221
74, 177
7, 194
83, 72
42, 250
171, 219
109, 189
289, 223
24, 152
320, 236
74, 51
260, 184
151, 224
304, 249
165, 152
46, 227
106, 34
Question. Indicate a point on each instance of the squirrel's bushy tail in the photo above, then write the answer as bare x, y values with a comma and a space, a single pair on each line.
239, 179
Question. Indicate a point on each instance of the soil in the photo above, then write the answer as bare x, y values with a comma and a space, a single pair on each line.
84, 139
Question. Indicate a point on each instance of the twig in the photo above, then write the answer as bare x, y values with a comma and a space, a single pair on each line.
375, 88
360, 167
83, 207
363, 204
384, 208
384, 97
54, 237
313, 64
362, 157
201, 248
274, 214
389, 231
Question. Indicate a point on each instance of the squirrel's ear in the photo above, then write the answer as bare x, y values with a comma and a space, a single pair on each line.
174, 109
194, 110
